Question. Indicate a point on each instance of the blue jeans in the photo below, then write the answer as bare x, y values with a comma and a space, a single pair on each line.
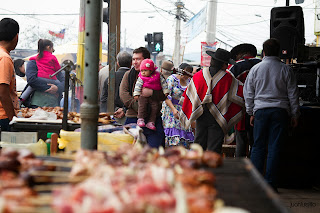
4, 124
27, 92
154, 138
269, 131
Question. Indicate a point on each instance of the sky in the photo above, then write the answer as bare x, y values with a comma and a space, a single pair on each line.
238, 21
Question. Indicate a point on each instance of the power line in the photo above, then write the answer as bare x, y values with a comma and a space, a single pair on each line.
67, 14
245, 31
249, 5
229, 36
38, 14
308, 5
224, 42
230, 25
156, 7
134, 11
189, 11
30, 16
169, 1
255, 5
41, 14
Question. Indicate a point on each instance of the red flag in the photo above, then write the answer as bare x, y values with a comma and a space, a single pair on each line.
59, 34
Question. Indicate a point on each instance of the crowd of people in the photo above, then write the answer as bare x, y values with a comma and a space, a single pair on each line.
193, 105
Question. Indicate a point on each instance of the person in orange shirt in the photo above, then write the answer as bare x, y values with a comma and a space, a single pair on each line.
9, 31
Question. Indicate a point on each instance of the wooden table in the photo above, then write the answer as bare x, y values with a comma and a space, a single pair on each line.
240, 185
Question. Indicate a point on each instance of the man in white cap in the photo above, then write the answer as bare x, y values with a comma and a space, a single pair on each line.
214, 98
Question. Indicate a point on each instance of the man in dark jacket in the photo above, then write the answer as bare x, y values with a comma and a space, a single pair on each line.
124, 61
154, 138
245, 56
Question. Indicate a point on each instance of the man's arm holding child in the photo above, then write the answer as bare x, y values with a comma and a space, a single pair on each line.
137, 88
124, 93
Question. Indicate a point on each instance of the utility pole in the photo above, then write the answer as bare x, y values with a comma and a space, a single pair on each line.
176, 60
113, 49
89, 110
125, 40
211, 21
118, 27
317, 23
80, 52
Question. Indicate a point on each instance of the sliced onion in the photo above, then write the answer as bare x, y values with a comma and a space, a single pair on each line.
196, 147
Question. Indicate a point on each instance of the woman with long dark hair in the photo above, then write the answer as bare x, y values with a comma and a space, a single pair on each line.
47, 90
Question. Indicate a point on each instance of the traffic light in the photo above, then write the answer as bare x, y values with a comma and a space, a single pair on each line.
158, 42
105, 13
148, 38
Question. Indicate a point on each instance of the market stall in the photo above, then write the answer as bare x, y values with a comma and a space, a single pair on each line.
42, 127
50, 119
142, 179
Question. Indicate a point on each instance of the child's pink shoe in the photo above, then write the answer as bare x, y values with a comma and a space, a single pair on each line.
141, 123
150, 125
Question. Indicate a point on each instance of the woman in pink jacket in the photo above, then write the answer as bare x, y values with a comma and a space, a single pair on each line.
47, 64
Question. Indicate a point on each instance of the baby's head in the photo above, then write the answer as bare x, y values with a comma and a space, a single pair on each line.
147, 67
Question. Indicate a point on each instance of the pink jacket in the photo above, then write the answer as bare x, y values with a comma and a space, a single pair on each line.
152, 82
47, 65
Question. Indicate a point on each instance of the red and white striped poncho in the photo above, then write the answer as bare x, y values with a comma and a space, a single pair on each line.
222, 93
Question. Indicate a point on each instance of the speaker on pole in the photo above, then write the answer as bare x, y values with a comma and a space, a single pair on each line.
287, 25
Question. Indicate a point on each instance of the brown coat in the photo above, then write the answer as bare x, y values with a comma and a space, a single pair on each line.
129, 102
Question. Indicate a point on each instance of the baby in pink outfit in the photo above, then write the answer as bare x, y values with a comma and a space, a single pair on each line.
149, 80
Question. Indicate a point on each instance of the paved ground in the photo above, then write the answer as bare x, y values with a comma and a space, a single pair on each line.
306, 200
301, 200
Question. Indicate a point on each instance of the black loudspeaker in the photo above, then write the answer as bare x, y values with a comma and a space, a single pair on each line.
308, 81
307, 54
287, 25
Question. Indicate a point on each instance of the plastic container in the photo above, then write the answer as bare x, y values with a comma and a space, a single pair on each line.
39, 148
71, 141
